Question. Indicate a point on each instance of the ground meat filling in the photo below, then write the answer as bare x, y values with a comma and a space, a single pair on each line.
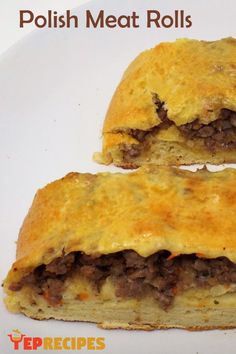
220, 134
217, 135
134, 276
48, 280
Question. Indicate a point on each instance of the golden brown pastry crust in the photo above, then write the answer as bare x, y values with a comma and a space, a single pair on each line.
195, 79
146, 211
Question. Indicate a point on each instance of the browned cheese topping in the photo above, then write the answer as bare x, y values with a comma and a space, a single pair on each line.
133, 276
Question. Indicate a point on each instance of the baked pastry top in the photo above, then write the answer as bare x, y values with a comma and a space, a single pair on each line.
134, 245
174, 94
145, 211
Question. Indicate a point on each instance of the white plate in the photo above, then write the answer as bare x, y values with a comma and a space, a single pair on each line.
55, 87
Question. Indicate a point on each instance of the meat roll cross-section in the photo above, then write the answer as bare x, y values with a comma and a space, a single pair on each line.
125, 251
176, 104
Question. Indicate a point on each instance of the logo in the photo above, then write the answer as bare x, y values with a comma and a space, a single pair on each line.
22, 341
